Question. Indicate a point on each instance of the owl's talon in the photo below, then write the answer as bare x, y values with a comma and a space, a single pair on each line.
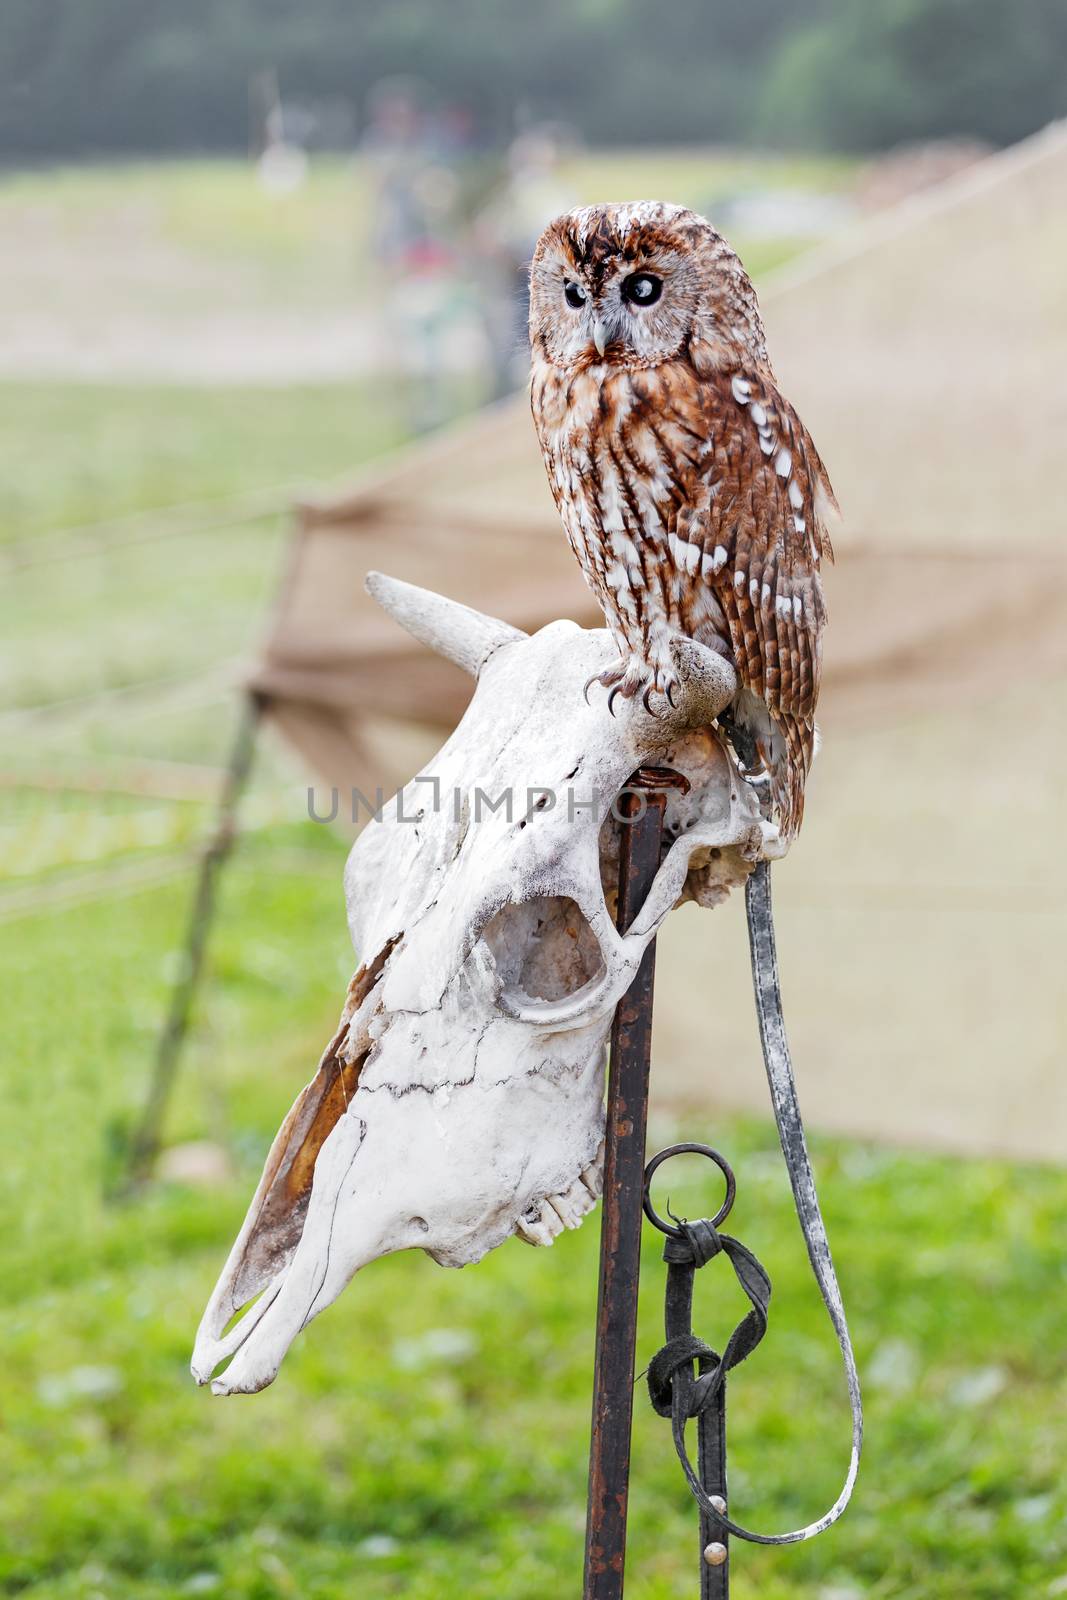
631, 677
666, 689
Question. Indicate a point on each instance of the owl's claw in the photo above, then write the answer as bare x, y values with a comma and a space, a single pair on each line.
654, 688
631, 677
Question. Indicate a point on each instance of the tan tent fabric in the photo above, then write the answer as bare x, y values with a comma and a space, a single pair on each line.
332, 648
927, 354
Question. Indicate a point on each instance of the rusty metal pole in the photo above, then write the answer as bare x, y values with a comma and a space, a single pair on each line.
640, 807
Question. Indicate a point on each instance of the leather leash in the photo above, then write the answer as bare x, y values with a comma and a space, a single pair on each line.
673, 1388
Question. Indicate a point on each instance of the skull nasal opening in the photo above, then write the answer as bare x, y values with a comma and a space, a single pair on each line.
544, 949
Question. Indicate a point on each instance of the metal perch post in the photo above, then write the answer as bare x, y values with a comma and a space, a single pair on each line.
642, 805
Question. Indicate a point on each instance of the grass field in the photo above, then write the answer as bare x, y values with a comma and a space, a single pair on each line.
429, 1432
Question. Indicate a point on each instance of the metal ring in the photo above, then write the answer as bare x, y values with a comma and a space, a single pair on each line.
687, 1150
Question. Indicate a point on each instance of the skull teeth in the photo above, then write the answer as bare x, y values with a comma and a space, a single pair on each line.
543, 1223
540, 1225
593, 1175
573, 1204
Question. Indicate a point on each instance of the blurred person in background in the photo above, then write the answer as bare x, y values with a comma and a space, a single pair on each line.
415, 198
534, 190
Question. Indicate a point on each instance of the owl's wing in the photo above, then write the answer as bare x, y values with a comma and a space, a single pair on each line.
754, 531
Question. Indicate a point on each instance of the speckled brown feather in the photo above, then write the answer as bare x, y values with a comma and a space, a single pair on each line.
691, 492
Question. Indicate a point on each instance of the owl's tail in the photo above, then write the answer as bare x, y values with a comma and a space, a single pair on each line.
776, 751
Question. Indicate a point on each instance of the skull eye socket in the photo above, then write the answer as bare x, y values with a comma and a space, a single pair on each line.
543, 949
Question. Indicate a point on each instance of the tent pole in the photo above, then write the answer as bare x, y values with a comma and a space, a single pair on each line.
145, 1142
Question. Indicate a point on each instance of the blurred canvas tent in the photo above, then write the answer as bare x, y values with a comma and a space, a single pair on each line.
467, 513
919, 914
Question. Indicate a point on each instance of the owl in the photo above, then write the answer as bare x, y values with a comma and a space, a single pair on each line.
690, 490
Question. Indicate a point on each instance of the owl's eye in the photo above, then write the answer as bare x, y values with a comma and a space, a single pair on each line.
642, 289
574, 295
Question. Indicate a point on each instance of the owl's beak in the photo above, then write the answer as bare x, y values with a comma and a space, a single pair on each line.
600, 335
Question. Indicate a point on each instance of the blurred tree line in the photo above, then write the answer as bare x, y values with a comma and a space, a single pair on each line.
87, 76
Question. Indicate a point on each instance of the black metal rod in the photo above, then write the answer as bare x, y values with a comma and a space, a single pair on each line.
641, 807
711, 1464
711, 1424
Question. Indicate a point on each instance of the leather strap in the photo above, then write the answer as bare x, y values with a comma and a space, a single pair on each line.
674, 1390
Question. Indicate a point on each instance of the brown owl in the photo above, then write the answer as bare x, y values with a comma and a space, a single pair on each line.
690, 490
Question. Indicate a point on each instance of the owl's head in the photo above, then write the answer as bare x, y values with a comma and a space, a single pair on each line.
635, 284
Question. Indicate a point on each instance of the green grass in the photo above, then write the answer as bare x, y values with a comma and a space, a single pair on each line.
78, 454
130, 643
373, 1467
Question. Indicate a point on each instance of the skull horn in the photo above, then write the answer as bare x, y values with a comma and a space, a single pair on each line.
465, 636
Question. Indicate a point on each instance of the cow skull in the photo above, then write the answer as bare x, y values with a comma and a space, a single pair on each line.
461, 1099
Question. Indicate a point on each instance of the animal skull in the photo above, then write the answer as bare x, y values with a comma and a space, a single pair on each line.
461, 1099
